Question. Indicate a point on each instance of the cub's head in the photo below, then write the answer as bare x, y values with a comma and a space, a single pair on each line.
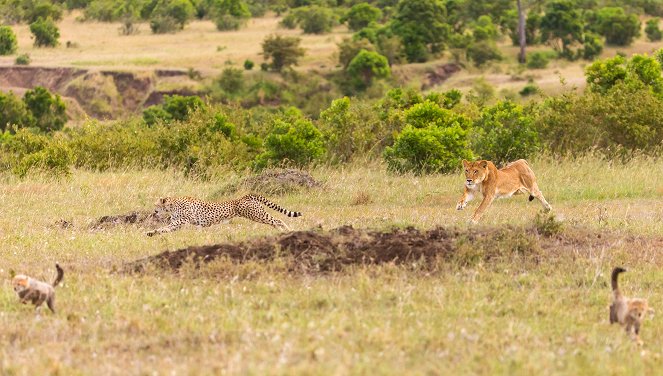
638, 308
475, 172
162, 206
20, 282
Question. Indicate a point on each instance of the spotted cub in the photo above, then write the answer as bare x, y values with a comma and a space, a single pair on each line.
197, 212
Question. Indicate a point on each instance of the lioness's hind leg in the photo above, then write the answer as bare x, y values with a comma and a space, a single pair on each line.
535, 192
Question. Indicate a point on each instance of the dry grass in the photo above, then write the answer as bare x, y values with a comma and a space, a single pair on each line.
546, 318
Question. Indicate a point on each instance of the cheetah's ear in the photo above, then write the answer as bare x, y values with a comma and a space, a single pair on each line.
162, 200
483, 164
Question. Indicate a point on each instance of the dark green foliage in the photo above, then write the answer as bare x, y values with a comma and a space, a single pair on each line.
604, 74
26, 152
47, 110
481, 53
13, 112
33, 10
248, 64
282, 52
230, 14
8, 42
640, 70
315, 19
592, 46
361, 15
532, 27
349, 48
162, 24
562, 26
504, 133
538, 60
652, 30
225, 22
367, 66
22, 59
45, 32
446, 100
618, 27
231, 80
295, 142
174, 107
484, 29
422, 27
529, 89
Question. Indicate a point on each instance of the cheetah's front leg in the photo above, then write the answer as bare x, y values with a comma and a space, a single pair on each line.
170, 228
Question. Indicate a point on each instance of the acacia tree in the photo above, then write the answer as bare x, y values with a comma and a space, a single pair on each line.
422, 26
283, 52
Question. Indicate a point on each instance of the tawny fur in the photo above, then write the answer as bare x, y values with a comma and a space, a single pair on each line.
482, 176
197, 212
37, 292
628, 312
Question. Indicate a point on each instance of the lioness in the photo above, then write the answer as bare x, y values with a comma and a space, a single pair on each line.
517, 177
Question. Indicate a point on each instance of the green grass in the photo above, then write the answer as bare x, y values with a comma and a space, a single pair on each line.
505, 317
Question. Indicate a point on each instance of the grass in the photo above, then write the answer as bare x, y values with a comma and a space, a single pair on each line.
499, 318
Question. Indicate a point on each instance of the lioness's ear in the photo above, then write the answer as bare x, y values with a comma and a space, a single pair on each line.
483, 164
465, 163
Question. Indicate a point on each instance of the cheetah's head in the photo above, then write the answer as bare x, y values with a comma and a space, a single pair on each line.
162, 206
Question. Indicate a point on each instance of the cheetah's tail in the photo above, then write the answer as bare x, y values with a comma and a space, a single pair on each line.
272, 205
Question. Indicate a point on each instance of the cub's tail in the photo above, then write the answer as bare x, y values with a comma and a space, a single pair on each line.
615, 274
272, 205
58, 279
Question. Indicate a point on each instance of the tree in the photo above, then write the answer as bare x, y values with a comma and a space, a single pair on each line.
180, 10
652, 30
8, 42
616, 26
12, 111
522, 40
367, 66
483, 52
484, 29
562, 26
36, 9
349, 48
47, 111
45, 32
361, 15
283, 52
422, 27
230, 14
315, 19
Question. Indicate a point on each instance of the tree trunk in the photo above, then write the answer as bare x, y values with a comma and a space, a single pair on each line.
521, 34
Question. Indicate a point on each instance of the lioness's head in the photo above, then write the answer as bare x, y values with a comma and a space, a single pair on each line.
475, 172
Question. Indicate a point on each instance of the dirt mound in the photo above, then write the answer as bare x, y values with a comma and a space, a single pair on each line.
275, 181
335, 250
143, 218
439, 74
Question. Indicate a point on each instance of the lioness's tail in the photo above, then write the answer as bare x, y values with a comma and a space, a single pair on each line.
615, 274
272, 205
58, 279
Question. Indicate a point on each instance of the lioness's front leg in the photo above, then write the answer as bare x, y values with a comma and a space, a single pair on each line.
487, 200
468, 195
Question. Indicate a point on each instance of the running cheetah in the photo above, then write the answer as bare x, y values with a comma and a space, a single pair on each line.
201, 213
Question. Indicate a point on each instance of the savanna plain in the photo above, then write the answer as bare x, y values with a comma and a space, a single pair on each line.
539, 309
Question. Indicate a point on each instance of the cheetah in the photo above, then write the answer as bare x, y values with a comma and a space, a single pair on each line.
202, 213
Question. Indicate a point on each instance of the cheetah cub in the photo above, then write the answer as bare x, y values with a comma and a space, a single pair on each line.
197, 212
628, 312
37, 292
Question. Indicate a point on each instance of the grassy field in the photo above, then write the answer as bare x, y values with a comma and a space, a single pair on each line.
503, 317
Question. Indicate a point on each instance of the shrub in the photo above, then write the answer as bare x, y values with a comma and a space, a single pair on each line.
639, 70
26, 151
225, 22
562, 26
349, 48
484, 29
8, 42
282, 51
538, 60
422, 26
174, 107
504, 133
427, 150
294, 142
446, 100
652, 30
234, 8
529, 89
181, 11
483, 52
162, 24
604, 74
361, 15
22, 59
315, 19
616, 26
231, 80
47, 110
45, 32
43, 9
366, 67
248, 64
427, 113
592, 46
13, 111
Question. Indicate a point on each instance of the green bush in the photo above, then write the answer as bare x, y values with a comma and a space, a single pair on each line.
592, 46
422, 27
282, 51
562, 26
652, 30
529, 89
13, 112
47, 110
361, 15
448, 100
315, 19
427, 113
225, 22
248, 64
366, 67
483, 52
639, 70
428, 150
538, 60
618, 27
26, 152
349, 48
231, 80
484, 29
174, 107
351, 128
22, 59
294, 142
504, 133
163, 24
45, 32
44, 9
8, 42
